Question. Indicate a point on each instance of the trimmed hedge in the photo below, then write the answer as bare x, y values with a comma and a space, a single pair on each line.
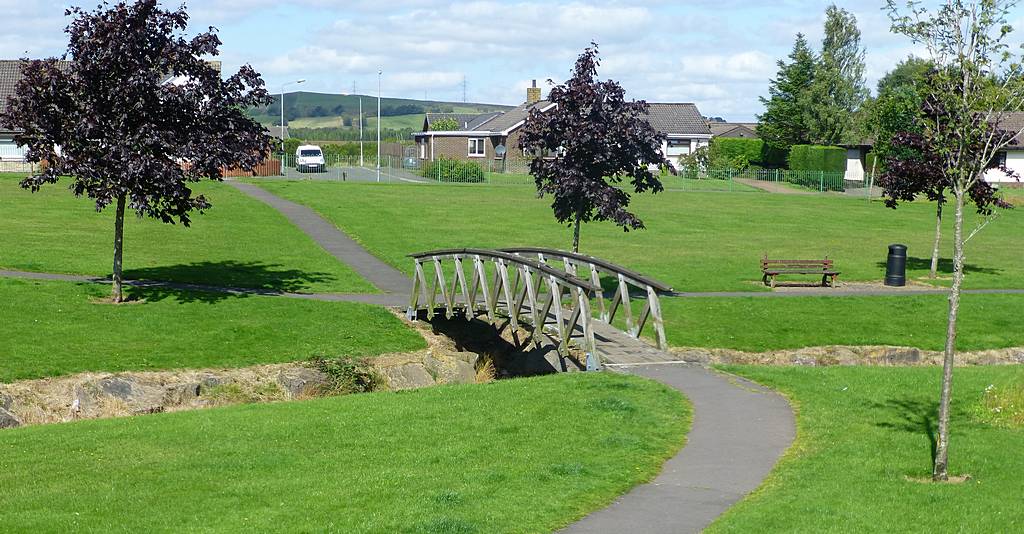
452, 170
817, 158
735, 152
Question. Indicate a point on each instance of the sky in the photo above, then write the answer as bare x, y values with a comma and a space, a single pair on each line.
719, 54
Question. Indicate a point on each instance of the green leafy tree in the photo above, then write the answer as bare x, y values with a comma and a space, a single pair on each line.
838, 89
123, 137
977, 83
782, 124
447, 124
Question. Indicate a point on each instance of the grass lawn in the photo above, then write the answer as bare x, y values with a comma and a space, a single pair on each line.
694, 241
528, 455
861, 432
56, 328
760, 324
239, 242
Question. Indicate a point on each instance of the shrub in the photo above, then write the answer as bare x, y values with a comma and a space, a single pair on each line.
347, 375
734, 152
817, 158
446, 124
452, 170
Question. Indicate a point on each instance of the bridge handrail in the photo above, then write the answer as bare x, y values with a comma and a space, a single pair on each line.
632, 276
568, 278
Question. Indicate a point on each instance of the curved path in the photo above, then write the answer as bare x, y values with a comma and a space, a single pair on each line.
739, 429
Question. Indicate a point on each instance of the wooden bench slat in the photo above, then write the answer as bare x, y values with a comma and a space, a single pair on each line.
772, 268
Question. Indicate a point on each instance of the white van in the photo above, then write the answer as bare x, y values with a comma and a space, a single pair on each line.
309, 158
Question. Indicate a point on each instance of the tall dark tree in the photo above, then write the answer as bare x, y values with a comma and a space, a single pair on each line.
976, 84
124, 134
783, 123
596, 139
838, 89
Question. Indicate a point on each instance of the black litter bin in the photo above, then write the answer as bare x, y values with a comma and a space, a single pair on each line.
896, 266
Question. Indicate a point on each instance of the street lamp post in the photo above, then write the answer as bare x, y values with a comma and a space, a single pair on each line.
360, 132
283, 85
379, 72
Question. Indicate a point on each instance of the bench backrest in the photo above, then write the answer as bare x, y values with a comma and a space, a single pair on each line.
823, 264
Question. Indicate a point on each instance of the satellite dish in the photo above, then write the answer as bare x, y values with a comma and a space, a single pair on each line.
500, 151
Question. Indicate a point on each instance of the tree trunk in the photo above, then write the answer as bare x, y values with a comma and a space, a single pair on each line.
576, 234
118, 295
941, 468
938, 238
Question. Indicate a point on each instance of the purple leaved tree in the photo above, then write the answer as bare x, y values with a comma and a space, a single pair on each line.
136, 114
587, 144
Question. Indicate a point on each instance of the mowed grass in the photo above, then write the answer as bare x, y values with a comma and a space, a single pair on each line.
526, 455
240, 242
986, 321
694, 241
865, 436
58, 328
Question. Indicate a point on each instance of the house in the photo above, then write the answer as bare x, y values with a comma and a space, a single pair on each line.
10, 75
495, 136
1012, 157
747, 130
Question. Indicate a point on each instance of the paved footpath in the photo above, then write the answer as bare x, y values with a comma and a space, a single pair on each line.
334, 241
739, 431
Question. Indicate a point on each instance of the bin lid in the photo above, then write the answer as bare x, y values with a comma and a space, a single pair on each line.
897, 248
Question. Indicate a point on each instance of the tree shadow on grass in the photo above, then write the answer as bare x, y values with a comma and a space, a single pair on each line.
945, 266
214, 281
911, 415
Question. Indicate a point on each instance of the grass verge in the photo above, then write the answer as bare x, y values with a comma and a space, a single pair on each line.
240, 242
527, 455
864, 435
694, 241
58, 328
757, 324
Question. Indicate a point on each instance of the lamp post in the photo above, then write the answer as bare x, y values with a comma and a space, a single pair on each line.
379, 72
283, 85
360, 131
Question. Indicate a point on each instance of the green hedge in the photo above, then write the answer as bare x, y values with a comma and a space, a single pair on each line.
452, 170
735, 152
817, 158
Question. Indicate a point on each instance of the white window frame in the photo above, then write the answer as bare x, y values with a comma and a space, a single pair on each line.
482, 145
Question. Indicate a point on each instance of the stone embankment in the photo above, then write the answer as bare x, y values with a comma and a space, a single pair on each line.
848, 355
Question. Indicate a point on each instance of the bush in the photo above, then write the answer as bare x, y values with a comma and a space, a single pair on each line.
817, 158
734, 152
347, 375
773, 158
452, 170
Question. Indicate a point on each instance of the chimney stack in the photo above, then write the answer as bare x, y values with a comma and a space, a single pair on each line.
533, 93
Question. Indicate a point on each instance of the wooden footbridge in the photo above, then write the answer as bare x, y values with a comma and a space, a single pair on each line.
565, 297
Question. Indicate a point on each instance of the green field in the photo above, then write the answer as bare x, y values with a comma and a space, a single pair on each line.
240, 242
57, 328
864, 435
527, 455
693, 241
761, 324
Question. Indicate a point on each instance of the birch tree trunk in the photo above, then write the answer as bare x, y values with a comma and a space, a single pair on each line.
940, 471
938, 238
118, 295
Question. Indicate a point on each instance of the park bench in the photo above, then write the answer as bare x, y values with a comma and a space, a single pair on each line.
772, 268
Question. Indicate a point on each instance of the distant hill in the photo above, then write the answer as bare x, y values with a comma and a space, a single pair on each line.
319, 110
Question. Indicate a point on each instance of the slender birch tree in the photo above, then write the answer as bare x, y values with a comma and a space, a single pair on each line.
977, 83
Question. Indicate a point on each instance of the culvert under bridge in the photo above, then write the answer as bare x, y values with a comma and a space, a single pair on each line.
591, 310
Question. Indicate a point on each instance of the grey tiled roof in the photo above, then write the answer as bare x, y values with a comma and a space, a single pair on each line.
1013, 122
511, 117
678, 119
733, 129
